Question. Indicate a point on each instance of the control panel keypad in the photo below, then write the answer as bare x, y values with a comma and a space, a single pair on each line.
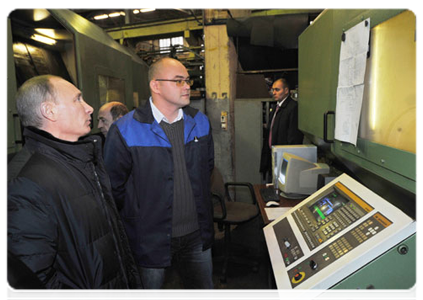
338, 248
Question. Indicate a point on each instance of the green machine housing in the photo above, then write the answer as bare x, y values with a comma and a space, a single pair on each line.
384, 158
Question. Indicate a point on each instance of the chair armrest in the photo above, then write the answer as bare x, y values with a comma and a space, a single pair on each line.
246, 184
222, 204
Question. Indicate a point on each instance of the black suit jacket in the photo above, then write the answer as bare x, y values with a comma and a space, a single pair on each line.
285, 131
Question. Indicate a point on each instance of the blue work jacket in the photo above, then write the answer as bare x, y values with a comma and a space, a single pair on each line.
138, 159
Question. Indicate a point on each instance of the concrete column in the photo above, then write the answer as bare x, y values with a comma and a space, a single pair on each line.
220, 79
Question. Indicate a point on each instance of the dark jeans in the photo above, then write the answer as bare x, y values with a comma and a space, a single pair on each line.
194, 265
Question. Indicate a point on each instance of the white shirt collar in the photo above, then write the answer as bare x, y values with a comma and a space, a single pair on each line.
282, 101
158, 116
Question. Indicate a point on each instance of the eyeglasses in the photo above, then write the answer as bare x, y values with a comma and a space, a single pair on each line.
179, 82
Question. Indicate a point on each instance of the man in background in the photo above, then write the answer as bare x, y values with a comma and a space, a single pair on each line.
109, 113
283, 127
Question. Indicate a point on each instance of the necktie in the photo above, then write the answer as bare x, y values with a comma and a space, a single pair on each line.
271, 126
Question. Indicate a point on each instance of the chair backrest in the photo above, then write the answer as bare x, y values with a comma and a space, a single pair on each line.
217, 185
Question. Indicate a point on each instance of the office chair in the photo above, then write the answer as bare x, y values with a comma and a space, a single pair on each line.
228, 212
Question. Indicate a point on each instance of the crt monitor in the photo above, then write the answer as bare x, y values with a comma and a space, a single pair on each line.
298, 176
307, 151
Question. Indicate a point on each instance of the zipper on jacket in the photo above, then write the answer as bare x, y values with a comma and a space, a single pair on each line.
104, 204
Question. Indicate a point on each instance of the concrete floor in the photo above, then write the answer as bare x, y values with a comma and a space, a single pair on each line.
248, 242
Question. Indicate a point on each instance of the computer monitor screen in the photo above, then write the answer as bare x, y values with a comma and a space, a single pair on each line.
298, 176
283, 170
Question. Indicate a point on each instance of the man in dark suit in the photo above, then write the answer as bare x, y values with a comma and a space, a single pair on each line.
283, 126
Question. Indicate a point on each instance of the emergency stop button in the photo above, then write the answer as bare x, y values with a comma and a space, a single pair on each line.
298, 277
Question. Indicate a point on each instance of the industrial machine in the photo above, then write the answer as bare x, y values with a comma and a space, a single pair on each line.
338, 231
358, 231
384, 155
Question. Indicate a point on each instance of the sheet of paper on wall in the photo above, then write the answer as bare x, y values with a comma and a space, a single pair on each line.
352, 68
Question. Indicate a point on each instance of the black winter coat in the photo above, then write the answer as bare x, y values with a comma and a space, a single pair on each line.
62, 220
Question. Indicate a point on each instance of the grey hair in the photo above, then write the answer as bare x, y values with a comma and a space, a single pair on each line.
31, 95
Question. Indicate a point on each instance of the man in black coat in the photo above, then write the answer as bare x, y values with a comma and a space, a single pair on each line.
63, 224
283, 127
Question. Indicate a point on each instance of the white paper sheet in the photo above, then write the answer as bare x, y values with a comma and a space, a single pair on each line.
352, 68
275, 212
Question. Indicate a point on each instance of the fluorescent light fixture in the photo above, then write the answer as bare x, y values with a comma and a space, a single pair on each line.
144, 10
101, 17
136, 11
43, 39
115, 14
46, 32
40, 14
19, 48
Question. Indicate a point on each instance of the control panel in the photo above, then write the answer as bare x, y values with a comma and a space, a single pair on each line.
333, 233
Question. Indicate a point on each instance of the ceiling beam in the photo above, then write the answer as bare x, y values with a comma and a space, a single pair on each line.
179, 26
274, 12
183, 10
154, 29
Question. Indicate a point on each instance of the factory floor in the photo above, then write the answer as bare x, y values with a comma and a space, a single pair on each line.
247, 242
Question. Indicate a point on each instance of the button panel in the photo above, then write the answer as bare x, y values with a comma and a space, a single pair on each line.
338, 248
288, 244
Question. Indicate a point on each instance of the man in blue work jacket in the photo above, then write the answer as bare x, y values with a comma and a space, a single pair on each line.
159, 158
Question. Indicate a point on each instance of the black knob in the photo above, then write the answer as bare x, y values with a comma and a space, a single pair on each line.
313, 265
403, 249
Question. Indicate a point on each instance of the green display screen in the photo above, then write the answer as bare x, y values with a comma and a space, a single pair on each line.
327, 205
